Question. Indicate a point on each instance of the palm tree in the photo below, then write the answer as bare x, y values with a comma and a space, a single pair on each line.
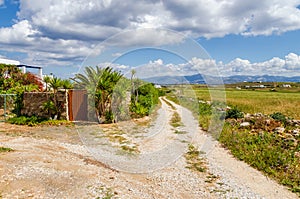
105, 88
88, 80
66, 84
56, 83
47, 80
100, 83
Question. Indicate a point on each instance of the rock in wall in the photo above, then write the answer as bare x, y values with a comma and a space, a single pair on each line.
33, 103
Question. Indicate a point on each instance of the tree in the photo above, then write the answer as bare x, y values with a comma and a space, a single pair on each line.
47, 80
133, 72
66, 84
104, 91
148, 98
56, 83
134, 86
54, 106
88, 80
99, 83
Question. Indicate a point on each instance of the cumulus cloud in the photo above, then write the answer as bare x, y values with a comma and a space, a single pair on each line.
289, 66
73, 27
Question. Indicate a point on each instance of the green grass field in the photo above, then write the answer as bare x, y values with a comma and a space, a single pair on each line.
254, 101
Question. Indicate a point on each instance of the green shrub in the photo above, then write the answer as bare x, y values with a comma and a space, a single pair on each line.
161, 92
144, 100
205, 109
234, 113
279, 117
139, 111
34, 120
23, 120
205, 112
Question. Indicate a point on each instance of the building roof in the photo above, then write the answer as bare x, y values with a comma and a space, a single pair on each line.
9, 61
22, 65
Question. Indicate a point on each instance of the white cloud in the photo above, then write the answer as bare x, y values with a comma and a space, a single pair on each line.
93, 19
292, 62
68, 30
290, 66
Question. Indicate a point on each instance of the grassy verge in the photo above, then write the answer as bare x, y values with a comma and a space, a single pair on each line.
267, 152
34, 121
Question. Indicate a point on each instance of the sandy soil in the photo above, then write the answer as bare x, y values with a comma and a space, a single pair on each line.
57, 162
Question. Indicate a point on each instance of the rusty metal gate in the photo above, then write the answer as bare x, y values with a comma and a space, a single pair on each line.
78, 105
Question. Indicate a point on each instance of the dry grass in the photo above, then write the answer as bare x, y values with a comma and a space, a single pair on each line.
169, 104
175, 120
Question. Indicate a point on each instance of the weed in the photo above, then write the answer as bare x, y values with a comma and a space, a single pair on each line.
175, 120
129, 149
180, 132
211, 178
5, 149
107, 192
193, 159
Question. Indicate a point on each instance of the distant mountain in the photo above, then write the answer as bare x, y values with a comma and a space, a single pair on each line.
198, 79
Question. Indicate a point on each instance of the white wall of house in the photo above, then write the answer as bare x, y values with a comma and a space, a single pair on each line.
9, 61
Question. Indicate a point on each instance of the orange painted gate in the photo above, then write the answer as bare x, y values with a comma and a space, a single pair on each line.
78, 105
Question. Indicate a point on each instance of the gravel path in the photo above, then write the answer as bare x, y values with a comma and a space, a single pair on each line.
44, 165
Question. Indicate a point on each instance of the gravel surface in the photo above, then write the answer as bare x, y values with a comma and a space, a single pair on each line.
54, 163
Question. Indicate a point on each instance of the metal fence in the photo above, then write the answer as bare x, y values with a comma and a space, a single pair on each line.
7, 105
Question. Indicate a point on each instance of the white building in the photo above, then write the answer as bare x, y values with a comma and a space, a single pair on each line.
286, 86
9, 61
23, 67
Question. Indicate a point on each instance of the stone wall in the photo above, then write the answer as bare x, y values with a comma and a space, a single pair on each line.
33, 103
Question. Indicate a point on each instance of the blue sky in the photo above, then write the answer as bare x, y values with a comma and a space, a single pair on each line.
256, 49
8, 13
242, 37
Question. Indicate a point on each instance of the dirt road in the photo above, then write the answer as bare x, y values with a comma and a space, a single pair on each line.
64, 162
